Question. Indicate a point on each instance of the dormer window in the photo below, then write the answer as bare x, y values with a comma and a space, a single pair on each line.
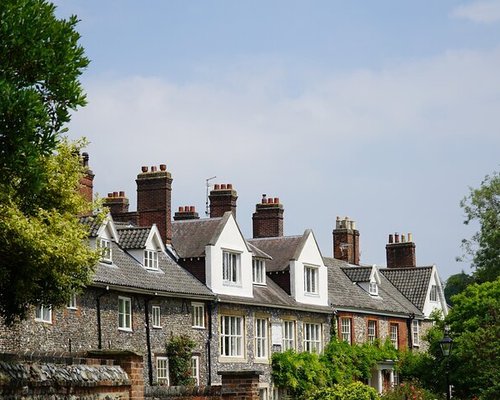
259, 272
104, 245
373, 288
231, 267
150, 259
311, 279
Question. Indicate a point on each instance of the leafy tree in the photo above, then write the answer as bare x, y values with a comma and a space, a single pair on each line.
475, 325
351, 391
483, 205
456, 284
179, 352
43, 251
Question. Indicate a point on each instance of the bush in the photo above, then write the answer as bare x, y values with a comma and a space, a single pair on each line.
179, 352
351, 391
409, 390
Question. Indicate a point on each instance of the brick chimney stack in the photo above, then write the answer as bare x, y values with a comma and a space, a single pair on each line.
185, 213
154, 196
268, 218
222, 198
401, 254
117, 203
346, 241
87, 180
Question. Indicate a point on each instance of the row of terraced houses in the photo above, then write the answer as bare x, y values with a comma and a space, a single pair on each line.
240, 299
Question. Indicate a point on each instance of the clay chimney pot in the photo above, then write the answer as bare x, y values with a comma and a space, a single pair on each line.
144, 168
163, 167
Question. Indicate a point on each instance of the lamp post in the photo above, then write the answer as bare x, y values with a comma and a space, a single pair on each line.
446, 343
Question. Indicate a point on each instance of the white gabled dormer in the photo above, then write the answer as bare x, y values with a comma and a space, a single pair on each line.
372, 285
144, 244
106, 234
434, 299
308, 274
228, 260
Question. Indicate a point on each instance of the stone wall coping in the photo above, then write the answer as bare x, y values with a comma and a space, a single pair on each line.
240, 373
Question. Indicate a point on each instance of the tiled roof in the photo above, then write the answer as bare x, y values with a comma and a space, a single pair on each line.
344, 293
257, 252
358, 274
412, 282
133, 237
170, 279
281, 249
91, 222
272, 295
189, 237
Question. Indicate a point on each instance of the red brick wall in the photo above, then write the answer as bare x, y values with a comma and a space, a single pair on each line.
268, 220
401, 255
346, 245
222, 199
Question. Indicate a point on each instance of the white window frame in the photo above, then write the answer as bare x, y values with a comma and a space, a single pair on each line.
346, 329
72, 304
43, 314
372, 330
104, 245
261, 338
373, 288
433, 293
231, 268
151, 259
124, 315
259, 271
312, 337
195, 369
198, 315
231, 336
162, 371
156, 316
415, 332
394, 334
311, 275
288, 335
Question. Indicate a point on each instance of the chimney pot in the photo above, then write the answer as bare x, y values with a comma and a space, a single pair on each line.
153, 168
163, 167
181, 209
144, 168
110, 194
217, 186
276, 200
192, 209
115, 194
230, 186
410, 237
403, 238
122, 194
391, 238
223, 186
396, 238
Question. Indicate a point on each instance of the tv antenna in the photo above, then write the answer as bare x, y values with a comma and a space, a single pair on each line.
208, 187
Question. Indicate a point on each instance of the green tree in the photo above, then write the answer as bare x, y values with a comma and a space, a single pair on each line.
474, 323
44, 254
483, 205
179, 352
456, 284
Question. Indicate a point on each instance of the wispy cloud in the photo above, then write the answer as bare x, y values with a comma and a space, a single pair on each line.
487, 11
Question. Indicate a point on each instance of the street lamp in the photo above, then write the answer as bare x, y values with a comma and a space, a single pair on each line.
446, 343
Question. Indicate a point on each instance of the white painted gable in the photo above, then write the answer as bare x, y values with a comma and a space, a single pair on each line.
230, 240
309, 257
440, 303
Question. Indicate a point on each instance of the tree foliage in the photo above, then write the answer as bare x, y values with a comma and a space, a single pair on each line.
350, 391
456, 284
43, 249
483, 205
179, 352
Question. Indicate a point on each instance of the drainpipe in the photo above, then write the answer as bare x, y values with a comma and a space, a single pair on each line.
98, 306
209, 343
148, 340
409, 322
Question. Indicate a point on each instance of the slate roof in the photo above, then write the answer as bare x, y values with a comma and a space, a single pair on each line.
170, 279
412, 282
91, 222
133, 237
282, 249
358, 274
272, 295
190, 237
344, 293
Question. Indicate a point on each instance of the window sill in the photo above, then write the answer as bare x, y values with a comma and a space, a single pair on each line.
310, 294
232, 284
157, 327
125, 329
43, 321
199, 327
261, 361
229, 359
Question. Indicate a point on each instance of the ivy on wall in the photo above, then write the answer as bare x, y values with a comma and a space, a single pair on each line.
179, 351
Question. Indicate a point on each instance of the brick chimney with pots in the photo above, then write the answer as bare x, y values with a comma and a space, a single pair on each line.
346, 241
117, 203
222, 198
154, 193
401, 254
186, 213
268, 218
87, 180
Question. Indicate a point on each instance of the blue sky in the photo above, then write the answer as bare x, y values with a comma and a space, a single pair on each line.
383, 111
